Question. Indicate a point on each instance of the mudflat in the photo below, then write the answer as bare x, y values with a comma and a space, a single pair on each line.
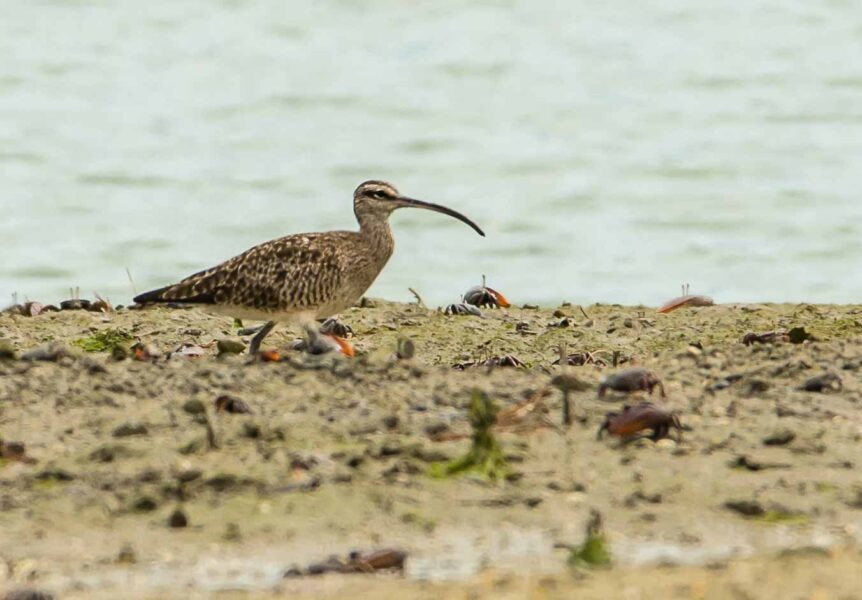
131, 483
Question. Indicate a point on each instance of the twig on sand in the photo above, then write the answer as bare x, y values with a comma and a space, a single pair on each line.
131, 282
583, 312
417, 296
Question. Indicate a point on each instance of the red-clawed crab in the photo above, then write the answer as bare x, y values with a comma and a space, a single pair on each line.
631, 380
635, 419
485, 297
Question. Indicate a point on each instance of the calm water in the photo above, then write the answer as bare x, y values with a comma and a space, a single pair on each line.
611, 150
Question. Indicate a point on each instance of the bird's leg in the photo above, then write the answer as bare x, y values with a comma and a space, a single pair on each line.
258, 338
333, 326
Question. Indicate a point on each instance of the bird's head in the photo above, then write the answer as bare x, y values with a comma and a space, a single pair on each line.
374, 201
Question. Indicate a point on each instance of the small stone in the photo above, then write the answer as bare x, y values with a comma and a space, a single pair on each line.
145, 504
7, 350
694, 351
406, 349
666, 444
230, 346
130, 429
28, 594
178, 519
436, 429
48, 353
354, 461
229, 404
232, 533
251, 431
119, 352
127, 555
748, 508
390, 421
798, 335
559, 313
194, 407
757, 386
780, 437
189, 475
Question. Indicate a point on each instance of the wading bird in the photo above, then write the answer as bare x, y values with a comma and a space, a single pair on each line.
305, 277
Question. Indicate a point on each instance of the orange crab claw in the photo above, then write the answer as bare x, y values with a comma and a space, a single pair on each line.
269, 356
501, 299
344, 346
687, 300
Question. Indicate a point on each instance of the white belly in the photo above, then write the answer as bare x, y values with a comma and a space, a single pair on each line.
253, 314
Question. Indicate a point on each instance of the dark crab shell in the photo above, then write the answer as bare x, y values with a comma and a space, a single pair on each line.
485, 297
641, 417
635, 379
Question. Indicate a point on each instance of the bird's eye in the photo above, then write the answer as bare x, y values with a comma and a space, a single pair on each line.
379, 195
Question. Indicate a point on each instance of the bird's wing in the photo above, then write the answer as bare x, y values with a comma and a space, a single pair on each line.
296, 272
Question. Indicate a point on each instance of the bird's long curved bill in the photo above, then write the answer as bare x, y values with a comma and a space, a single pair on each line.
412, 203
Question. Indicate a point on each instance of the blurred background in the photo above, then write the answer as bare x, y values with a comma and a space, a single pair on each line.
612, 151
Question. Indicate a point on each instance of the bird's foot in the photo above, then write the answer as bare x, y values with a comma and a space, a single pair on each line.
334, 327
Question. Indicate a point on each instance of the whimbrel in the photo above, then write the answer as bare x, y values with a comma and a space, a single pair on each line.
303, 277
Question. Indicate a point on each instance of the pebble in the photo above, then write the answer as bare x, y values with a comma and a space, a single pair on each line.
130, 429
230, 346
178, 519
666, 444
7, 350
229, 404
194, 407
27, 594
748, 508
779, 437
48, 353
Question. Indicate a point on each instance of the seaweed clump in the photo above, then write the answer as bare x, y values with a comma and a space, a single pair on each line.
594, 551
104, 341
485, 456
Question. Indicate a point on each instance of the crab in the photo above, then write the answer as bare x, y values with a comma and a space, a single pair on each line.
634, 419
494, 361
686, 299
827, 382
336, 328
632, 380
579, 359
770, 337
485, 297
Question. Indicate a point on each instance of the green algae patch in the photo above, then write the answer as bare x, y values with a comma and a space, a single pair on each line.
485, 457
594, 552
104, 341
779, 516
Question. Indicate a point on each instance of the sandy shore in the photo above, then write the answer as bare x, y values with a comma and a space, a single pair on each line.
337, 455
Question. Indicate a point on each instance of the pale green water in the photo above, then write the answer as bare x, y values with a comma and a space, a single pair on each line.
611, 150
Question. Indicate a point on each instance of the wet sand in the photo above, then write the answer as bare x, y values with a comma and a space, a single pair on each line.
337, 455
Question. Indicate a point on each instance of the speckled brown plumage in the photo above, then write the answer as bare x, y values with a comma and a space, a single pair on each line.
322, 273
302, 276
